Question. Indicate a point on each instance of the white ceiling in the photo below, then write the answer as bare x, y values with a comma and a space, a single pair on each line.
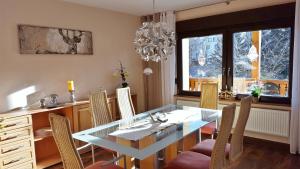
144, 7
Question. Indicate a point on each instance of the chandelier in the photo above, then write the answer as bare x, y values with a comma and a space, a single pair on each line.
155, 40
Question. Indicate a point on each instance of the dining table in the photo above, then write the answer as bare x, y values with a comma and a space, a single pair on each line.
151, 139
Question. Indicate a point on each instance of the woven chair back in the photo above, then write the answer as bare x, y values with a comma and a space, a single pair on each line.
62, 135
99, 107
218, 153
236, 144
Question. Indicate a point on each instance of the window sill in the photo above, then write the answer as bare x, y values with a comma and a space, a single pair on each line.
273, 106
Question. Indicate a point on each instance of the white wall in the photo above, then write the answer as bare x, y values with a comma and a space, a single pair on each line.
113, 34
237, 5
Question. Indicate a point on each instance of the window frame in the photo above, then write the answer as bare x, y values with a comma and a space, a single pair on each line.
254, 19
179, 59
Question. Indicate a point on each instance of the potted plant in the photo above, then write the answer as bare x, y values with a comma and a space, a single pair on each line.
122, 73
255, 92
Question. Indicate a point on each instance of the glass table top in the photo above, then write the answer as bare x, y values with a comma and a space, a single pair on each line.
147, 133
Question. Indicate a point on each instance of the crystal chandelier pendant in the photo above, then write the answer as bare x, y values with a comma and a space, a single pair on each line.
154, 41
201, 58
252, 55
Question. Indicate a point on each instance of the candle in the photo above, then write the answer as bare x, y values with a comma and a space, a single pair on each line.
71, 85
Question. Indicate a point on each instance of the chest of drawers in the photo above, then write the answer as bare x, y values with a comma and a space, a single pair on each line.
16, 143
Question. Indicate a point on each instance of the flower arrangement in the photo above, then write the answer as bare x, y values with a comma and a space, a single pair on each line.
122, 73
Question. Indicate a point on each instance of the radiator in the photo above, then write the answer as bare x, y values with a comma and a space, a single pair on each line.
274, 122
265, 121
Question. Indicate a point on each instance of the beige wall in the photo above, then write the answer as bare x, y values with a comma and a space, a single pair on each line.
113, 34
237, 5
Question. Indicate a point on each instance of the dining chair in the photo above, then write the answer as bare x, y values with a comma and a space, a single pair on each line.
209, 100
100, 112
237, 140
125, 103
69, 155
193, 160
99, 107
235, 149
209, 95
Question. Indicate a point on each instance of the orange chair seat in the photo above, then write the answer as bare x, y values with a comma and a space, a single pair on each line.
209, 129
206, 147
189, 160
100, 165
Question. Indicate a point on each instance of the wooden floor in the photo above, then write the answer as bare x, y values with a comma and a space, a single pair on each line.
260, 154
257, 154
100, 154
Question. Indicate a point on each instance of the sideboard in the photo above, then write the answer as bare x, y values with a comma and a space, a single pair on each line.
20, 147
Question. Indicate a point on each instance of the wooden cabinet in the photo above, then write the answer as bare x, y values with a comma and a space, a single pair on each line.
80, 119
46, 150
21, 146
16, 142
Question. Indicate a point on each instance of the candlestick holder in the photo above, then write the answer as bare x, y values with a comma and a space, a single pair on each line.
72, 96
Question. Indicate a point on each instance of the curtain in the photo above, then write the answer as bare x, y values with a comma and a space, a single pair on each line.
160, 86
295, 114
152, 83
168, 66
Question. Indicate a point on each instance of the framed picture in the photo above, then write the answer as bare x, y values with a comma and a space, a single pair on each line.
48, 40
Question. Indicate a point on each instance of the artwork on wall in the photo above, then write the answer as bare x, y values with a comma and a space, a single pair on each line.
47, 40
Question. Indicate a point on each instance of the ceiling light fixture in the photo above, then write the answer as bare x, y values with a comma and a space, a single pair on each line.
227, 2
154, 40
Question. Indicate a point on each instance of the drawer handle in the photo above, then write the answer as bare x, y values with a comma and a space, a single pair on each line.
12, 149
14, 161
11, 137
11, 125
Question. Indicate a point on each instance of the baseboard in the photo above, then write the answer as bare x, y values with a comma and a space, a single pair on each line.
269, 137
263, 143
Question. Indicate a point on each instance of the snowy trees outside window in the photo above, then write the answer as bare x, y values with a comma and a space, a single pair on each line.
270, 69
275, 54
206, 56
260, 57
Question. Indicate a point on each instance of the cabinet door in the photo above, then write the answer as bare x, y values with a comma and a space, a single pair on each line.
82, 117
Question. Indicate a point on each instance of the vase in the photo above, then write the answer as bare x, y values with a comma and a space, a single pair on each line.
255, 99
124, 84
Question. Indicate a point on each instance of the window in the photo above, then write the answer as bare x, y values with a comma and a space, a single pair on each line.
261, 58
238, 52
202, 60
